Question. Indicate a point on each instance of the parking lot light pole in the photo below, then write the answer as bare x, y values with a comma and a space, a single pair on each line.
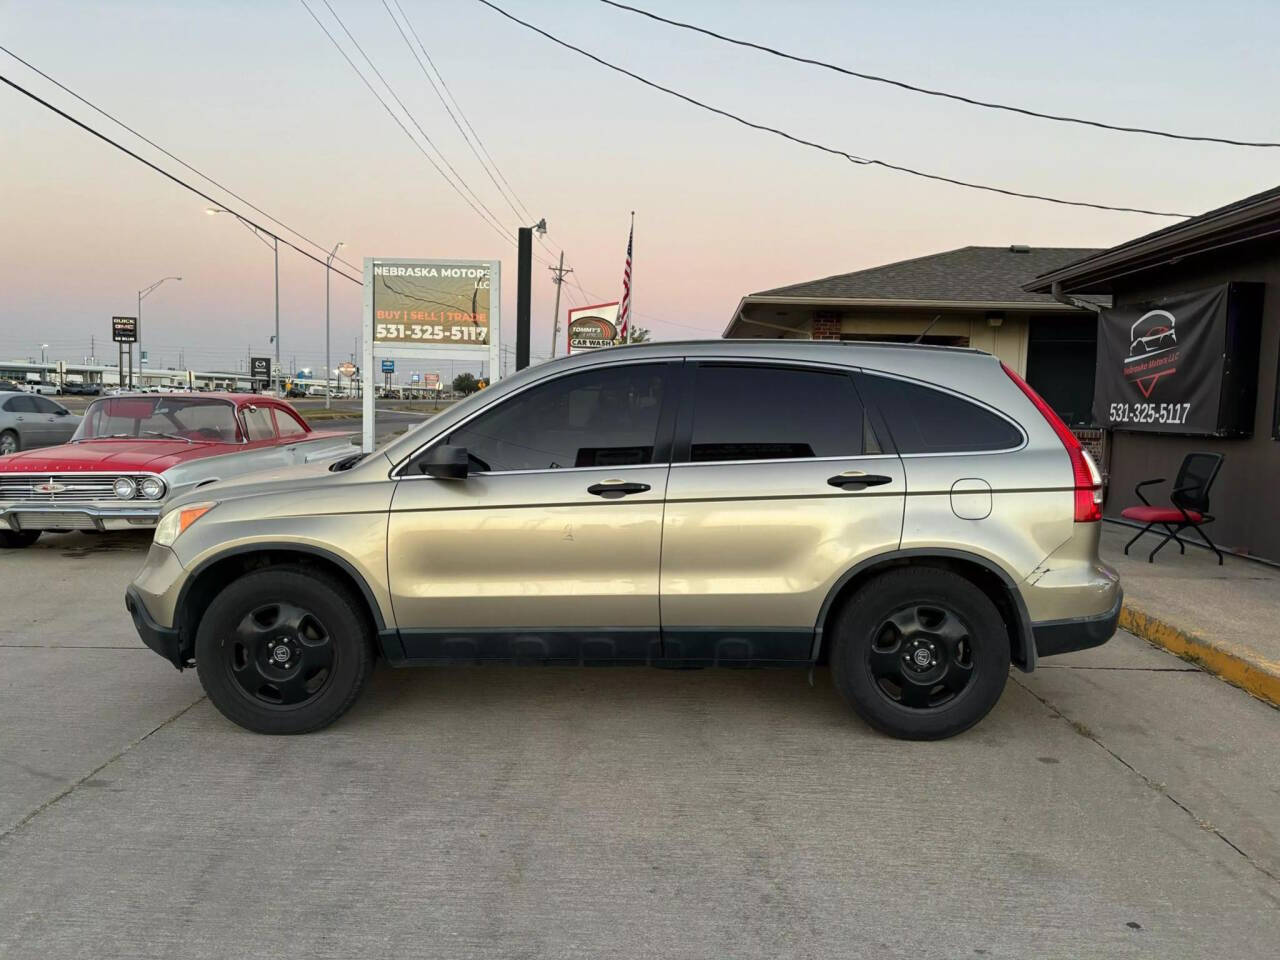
274, 244
142, 295
327, 360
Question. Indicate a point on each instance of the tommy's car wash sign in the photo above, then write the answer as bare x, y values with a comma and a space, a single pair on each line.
1187, 363
593, 328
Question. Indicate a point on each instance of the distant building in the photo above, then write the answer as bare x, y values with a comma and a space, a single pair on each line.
971, 297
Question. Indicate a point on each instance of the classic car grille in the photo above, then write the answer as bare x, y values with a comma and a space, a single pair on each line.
79, 488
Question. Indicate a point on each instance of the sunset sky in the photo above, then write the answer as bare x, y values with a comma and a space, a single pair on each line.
255, 95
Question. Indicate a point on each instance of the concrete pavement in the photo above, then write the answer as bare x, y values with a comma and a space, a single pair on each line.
1117, 803
1220, 617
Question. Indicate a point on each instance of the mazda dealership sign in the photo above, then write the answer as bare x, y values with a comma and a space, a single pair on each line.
1187, 363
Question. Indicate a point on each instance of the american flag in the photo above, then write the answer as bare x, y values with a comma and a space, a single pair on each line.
624, 306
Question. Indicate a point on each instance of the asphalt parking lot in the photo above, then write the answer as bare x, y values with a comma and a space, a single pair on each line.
1118, 803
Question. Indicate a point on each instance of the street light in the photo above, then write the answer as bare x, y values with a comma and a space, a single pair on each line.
142, 295
328, 270
274, 244
43, 348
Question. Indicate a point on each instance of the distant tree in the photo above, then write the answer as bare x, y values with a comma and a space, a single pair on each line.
639, 334
465, 383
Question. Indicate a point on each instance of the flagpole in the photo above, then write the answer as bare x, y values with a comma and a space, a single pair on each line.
632, 295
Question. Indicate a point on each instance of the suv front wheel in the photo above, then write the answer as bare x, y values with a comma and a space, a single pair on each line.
920, 653
283, 650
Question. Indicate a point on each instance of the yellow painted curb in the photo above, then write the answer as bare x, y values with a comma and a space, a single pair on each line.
1238, 666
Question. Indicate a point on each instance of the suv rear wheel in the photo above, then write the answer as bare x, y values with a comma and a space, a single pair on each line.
920, 653
283, 650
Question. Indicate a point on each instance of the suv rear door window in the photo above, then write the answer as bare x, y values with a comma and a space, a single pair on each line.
757, 412
606, 417
924, 420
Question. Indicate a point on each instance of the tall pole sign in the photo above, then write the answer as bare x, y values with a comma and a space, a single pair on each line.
124, 331
417, 310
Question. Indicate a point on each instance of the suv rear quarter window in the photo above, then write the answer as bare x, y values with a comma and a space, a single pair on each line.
924, 420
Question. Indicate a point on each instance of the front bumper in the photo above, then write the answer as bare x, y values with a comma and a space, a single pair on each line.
43, 515
1081, 633
165, 641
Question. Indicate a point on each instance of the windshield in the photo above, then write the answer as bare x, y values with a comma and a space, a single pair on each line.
194, 419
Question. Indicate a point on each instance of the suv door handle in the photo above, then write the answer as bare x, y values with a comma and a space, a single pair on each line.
858, 481
616, 488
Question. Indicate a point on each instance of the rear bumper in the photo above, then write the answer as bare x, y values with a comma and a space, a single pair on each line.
37, 515
1063, 636
165, 641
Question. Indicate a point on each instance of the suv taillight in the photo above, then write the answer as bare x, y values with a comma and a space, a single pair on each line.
1088, 482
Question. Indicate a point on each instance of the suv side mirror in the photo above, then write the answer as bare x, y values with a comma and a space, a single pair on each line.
446, 463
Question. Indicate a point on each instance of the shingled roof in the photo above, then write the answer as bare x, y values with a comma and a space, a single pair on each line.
966, 275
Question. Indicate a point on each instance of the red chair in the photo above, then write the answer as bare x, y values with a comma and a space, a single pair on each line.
1189, 500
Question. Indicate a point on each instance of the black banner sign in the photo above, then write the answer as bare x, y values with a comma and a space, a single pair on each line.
124, 329
1179, 364
260, 368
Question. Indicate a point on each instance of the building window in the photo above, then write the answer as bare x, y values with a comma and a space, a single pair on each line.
1061, 360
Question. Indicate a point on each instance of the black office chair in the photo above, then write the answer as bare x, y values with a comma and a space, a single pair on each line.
1189, 504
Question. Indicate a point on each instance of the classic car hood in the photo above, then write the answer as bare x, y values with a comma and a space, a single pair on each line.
152, 456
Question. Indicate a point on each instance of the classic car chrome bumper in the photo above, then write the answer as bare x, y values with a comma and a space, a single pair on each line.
37, 515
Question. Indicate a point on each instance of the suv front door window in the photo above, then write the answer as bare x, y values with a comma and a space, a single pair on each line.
555, 533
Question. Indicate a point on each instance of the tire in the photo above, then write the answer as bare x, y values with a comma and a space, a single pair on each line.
10, 442
310, 615
920, 653
17, 539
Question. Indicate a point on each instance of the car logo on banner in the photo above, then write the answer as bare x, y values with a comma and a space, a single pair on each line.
49, 488
1152, 334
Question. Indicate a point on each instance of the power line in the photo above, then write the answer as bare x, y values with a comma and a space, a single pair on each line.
902, 84
391, 113
452, 116
869, 161
466, 186
178, 180
512, 199
147, 140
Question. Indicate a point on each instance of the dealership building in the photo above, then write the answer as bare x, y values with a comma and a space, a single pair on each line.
970, 297
1202, 295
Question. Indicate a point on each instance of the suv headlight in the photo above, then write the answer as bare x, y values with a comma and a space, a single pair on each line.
151, 488
173, 523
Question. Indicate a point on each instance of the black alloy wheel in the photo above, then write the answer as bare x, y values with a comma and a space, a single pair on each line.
920, 653
284, 649
922, 656
281, 655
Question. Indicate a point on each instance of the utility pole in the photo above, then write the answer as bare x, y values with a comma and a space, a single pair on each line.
524, 291
524, 295
275, 370
557, 277
328, 365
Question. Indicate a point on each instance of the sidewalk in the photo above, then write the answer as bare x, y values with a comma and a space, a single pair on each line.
1225, 619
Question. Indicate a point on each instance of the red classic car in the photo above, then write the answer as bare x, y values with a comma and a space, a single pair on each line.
132, 453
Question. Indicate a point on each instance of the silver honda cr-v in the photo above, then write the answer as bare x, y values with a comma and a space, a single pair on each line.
915, 517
